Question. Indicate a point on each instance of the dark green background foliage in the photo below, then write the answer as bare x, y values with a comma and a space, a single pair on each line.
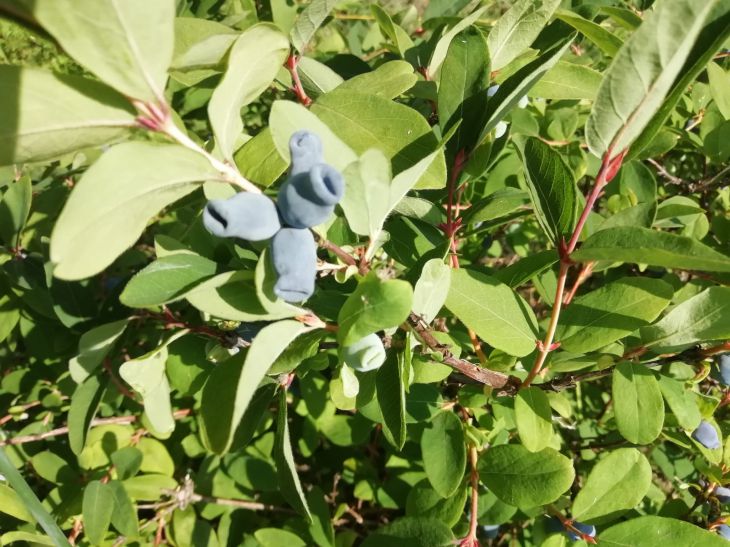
546, 263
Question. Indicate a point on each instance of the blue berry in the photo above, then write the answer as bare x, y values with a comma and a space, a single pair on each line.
308, 199
706, 435
491, 531
306, 151
294, 254
248, 216
724, 531
366, 354
722, 494
587, 529
723, 364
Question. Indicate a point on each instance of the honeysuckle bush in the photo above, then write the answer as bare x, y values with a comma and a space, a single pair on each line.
520, 325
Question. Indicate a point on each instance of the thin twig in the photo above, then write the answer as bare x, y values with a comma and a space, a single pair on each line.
22, 439
482, 375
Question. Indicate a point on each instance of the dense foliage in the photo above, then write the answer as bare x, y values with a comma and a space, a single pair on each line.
516, 327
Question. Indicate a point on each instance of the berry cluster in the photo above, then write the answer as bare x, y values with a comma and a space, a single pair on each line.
307, 198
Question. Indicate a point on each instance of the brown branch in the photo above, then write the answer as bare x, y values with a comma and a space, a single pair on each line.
338, 251
508, 384
22, 439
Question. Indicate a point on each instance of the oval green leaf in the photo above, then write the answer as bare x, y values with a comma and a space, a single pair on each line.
494, 311
523, 478
615, 484
443, 447
638, 404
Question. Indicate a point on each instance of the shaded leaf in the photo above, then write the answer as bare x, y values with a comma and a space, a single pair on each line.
443, 447
289, 483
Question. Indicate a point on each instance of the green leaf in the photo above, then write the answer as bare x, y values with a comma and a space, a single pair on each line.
259, 160
443, 447
14, 210
523, 478
495, 312
651, 531
526, 268
711, 38
253, 62
411, 531
388, 80
12, 504
309, 20
608, 43
33, 539
9, 316
720, 88
442, 46
534, 418
623, 16
518, 85
371, 193
233, 296
423, 501
517, 29
131, 51
53, 468
703, 317
146, 375
431, 290
273, 537
364, 120
567, 81
611, 312
642, 74
616, 484
374, 305
366, 202
94, 345
232, 385
390, 382
289, 484
46, 115
552, 188
84, 403
646, 246
166, 279
98, 507
127, 462
638, 404
495, 205
316, 77
463, 83
124, 517
682, 402
142, 176
287, 117
394, 32
30, 501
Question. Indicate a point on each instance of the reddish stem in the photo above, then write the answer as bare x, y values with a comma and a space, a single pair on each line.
609, 167
584, 274
291, 64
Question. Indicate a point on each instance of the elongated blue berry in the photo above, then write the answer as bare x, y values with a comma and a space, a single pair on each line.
366, 354
491, 530
308, 199
294, 254
248, 216
722, 494
724, 531
306, 151
706, 435
587, 529
723, 365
